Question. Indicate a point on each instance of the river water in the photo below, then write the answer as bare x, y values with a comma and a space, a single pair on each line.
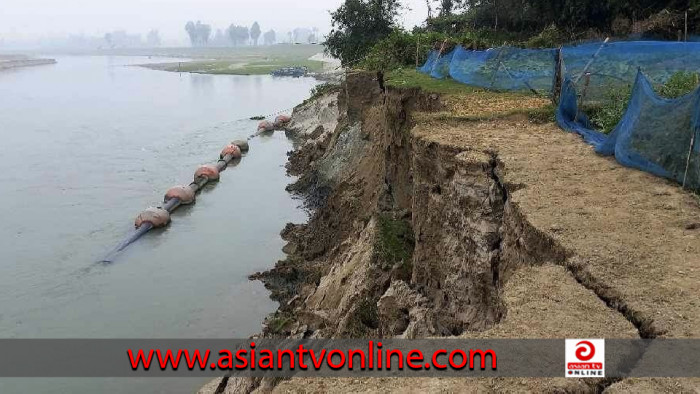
86, 145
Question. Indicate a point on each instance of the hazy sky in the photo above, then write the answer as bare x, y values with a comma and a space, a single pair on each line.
31, 19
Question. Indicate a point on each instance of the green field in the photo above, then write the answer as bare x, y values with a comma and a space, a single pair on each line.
237, 61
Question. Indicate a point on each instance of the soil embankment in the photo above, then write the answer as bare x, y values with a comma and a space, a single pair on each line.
428, 223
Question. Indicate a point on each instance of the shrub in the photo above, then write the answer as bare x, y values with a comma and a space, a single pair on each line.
679, 84
321, 89
550, 37
609, 114
400, 49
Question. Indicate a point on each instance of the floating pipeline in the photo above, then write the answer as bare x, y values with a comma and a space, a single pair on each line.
158, 217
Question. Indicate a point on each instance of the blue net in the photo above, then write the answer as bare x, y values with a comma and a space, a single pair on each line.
440, 66
656, 135
504, 68
615, 65
499, 69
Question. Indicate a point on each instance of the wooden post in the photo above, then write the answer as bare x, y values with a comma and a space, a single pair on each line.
582, 99
558, 76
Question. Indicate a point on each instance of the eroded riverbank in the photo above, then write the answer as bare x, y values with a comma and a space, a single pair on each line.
427, 223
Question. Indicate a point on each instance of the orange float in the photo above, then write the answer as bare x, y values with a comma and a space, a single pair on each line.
282, 120
209, 171
157, 217
265, 125
233, 150
183, 193
242, 144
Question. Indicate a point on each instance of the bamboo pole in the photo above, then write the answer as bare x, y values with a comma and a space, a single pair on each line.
687, 162
590, 62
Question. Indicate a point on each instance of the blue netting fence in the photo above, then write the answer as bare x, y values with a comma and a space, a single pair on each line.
657, 135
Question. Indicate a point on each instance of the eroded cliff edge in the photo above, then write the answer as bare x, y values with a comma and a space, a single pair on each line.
424, 223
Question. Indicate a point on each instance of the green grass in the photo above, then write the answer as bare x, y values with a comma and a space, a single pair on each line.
235, 61
411, 78
395, 243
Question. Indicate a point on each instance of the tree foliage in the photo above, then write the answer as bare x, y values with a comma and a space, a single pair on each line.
270, 37
255, 32
239, 35
198, 32
358, 25
575, 18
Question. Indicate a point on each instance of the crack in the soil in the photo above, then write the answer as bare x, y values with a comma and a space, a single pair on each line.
221, 388
498, 247
645, 326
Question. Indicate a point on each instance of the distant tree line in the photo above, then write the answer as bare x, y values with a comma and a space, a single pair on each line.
365, 29
574, 18
122, 39
200, 34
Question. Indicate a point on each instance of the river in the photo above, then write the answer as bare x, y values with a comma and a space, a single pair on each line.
87, 144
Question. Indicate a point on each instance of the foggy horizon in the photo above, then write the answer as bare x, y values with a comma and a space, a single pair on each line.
27, 22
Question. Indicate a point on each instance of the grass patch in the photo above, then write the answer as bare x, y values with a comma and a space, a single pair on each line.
277, 324
394, 243
411, 78
542, 115
236, 61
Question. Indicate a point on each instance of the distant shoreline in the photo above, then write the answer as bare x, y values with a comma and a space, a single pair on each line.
23, 62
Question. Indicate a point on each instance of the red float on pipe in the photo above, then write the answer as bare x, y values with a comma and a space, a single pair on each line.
265, 125
184, 193
158, 217
282, 120
209, 171
233, 150
242, 144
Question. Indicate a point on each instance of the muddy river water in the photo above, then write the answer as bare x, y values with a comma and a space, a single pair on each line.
89, 142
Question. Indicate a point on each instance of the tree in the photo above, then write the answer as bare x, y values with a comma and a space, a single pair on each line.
203, 33
358, 25
447, 6
198, 32
270, 37
255, 32
239, 35
192, 32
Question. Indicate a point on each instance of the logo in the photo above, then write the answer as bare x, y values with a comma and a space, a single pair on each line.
585, 358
